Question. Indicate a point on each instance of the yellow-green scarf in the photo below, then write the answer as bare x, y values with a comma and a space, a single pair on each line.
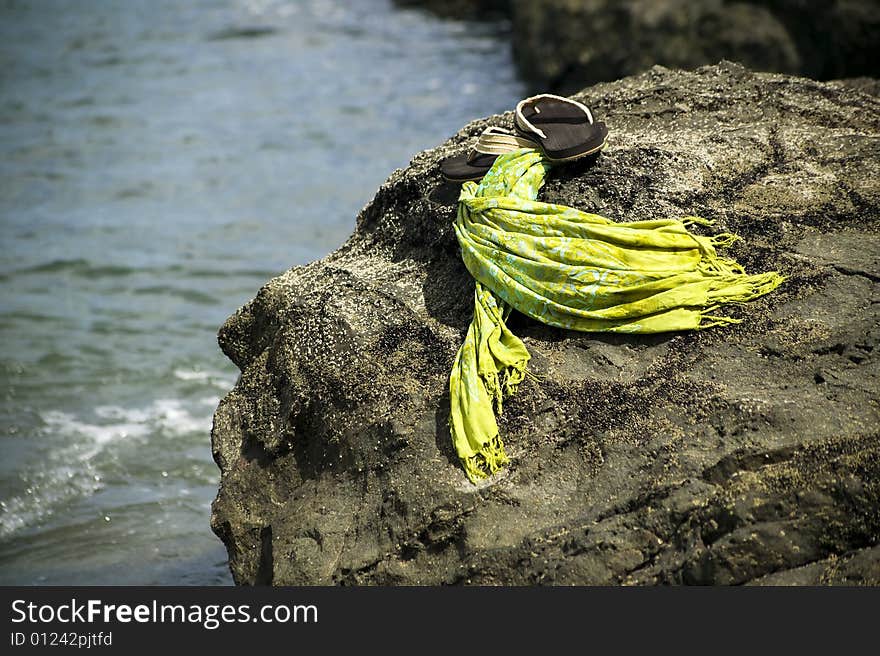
574, 270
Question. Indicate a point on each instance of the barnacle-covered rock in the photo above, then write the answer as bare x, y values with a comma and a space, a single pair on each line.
733, 455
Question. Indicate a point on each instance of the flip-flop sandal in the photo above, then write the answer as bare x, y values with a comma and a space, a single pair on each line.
563, 128
474, 164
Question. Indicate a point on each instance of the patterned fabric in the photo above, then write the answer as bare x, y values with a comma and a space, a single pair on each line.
569, 269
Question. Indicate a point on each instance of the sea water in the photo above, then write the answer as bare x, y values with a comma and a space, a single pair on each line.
160, 161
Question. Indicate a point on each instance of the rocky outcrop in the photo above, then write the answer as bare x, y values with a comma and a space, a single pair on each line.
478, 10
563, 45
748, 454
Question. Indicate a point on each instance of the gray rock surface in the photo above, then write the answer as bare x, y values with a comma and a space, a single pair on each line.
748, 454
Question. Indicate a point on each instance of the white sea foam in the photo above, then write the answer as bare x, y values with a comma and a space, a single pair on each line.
45, 492
213, 378
187, 374
167, 417
71, 468
64, 423
174, 418
68, 472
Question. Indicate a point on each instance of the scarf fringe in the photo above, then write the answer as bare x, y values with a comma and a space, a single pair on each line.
724, 239
500, 386
737, 290
504, 384
744, 288
710, 320
696, 220
512, 377
485, 463
721, 240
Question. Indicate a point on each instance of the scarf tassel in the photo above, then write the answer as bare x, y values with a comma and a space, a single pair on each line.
485, 463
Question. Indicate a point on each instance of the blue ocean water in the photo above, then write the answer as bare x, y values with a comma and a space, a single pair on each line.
160, 161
